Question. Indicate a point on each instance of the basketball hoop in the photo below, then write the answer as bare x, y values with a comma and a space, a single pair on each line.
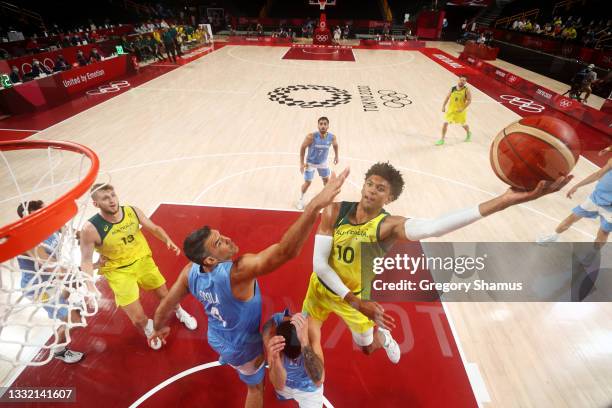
322, 3
39, 170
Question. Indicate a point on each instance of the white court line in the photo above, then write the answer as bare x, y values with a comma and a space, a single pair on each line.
473, 381
238, 207
223, 179
22, 130
315, 67
189, 90
172, 379
320, 53
185, 373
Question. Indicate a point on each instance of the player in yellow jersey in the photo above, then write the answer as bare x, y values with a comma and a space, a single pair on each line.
460, 98
335, 285
127, 264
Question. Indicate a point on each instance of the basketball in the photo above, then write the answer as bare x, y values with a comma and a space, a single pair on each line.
535, 148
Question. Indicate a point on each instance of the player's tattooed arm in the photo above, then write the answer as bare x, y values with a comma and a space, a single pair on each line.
313, 364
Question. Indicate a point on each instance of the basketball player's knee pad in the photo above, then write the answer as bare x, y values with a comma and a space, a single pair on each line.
364, 339
251, 375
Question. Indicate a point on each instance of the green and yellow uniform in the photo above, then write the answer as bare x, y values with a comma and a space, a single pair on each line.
129, 263
458, 101
345, 260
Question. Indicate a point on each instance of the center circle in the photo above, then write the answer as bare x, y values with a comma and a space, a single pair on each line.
336, 97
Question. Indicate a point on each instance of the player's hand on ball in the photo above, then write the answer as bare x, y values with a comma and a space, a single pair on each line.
374, 311
274, 347
543, 188
301, 328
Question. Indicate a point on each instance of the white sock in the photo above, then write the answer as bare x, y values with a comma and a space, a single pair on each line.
149, 328
59, 350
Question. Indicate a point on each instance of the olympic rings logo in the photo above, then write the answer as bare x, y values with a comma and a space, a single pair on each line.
526, 105
112, 87
392, 99
564, 103
322, 37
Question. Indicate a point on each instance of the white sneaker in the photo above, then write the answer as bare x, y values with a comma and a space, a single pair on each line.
547, 239
300, 204
188, 320
69, 356
390, 346
155, 344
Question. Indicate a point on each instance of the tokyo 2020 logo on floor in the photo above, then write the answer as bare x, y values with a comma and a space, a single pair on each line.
283, 95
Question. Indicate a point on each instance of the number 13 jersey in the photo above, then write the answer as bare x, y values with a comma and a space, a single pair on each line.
123, 242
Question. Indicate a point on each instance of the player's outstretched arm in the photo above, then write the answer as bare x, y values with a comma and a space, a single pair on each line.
414, 229
168, 304
251, 266
156, 230
591, 178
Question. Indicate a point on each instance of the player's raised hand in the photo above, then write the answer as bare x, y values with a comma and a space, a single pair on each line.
301, 328
331, 189
374, 311
513, 196
275, 345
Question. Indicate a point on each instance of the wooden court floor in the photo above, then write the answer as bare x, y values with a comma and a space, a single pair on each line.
210, 133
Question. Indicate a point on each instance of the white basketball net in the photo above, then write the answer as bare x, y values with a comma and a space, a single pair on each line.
322, 4
43, 290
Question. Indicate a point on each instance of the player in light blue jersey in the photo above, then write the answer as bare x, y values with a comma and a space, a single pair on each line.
318, 144
597, 205
295, 362
226, 285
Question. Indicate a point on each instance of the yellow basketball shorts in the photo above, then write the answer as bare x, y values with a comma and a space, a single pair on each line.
320, 302
126, 281
456, 117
